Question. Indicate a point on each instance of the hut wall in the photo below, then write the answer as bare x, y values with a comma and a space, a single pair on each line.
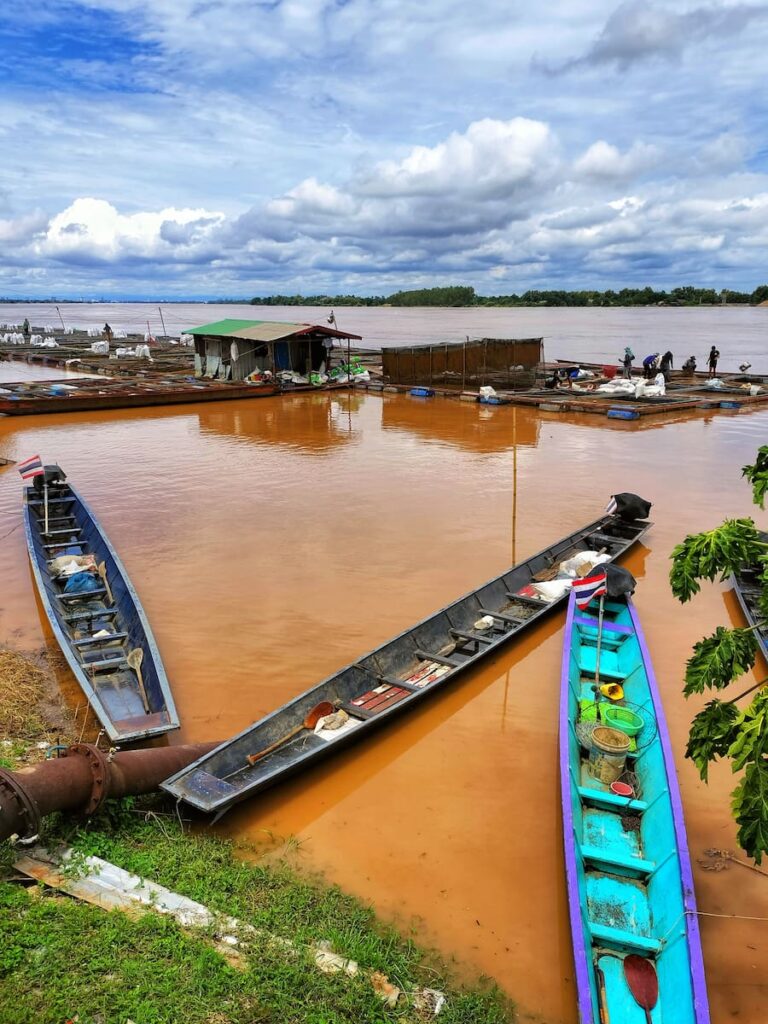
465, 365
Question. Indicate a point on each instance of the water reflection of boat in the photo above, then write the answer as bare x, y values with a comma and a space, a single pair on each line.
463, 424
748, 590
100, 626
628, 871
393, 677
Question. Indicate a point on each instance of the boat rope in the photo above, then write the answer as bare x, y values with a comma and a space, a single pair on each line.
733, 917
705, 913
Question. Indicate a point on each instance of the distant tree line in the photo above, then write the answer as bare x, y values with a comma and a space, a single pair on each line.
458, 295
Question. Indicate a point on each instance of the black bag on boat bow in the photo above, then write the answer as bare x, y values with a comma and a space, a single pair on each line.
629, 506
618, 582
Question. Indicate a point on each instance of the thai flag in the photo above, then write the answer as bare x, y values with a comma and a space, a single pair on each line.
31, 467
611, 507
588, 589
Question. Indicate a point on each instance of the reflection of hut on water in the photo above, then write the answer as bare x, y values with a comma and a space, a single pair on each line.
507, 363
312, 422
466, 425
237, 349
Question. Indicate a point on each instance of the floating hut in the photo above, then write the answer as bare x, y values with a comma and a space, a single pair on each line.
237, 349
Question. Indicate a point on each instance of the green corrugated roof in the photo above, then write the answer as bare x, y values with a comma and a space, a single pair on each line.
265, 330
227, 327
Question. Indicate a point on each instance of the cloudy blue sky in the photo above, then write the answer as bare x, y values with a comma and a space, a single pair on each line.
200, 148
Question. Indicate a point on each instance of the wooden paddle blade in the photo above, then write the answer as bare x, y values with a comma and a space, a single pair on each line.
319, 711
642, 980
135, 658
312, 718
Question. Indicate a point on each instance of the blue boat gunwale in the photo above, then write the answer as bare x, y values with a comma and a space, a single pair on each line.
640, 528
581, 948
64, 641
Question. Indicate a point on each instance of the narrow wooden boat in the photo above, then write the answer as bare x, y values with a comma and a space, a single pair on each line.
99, 630
393, 677
747, 586
628, 872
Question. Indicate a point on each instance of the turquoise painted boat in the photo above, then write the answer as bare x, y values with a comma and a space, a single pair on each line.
628, 872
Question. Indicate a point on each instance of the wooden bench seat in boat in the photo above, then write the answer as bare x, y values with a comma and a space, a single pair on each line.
88, 614
624, 940
608, 663
85, 595
610, 859
609, 627
504, 616
107, 665
477, 637
95, 641
610, 801
51, 500
441, 659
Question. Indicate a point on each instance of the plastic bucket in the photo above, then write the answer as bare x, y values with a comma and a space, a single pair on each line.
627, 721
608, 754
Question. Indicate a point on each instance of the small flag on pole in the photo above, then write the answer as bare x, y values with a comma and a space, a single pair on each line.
588, 589
611, 507
31, 467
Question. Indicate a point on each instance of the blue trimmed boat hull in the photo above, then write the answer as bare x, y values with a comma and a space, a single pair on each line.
112, 689
628, 872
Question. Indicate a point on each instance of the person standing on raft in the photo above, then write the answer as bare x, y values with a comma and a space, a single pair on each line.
626, 361
714, 355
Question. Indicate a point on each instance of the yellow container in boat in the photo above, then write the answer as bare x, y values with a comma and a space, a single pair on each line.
608, 754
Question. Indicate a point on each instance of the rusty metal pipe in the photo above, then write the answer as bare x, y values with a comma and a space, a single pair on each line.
82, 779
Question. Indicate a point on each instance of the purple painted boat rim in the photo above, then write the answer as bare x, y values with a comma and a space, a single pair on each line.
693, 934
578, 938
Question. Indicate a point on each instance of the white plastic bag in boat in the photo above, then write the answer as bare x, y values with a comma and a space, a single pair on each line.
487, 391
94, 332
361, 378
574, 566
100, 348
552, 589
142, 352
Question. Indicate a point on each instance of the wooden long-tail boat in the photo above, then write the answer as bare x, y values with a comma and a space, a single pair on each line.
393, 677
746, 584
628, 872
99, 629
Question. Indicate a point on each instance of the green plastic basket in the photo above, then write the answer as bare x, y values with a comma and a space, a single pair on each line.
617, 717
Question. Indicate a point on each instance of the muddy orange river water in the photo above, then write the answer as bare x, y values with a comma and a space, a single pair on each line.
273, 541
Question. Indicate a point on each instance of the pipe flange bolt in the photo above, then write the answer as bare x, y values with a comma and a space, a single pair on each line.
11, 789
99, 765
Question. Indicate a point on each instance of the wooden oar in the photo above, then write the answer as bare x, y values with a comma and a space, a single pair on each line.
602, 999
643, 982
313, 717
101, 569
134, 659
